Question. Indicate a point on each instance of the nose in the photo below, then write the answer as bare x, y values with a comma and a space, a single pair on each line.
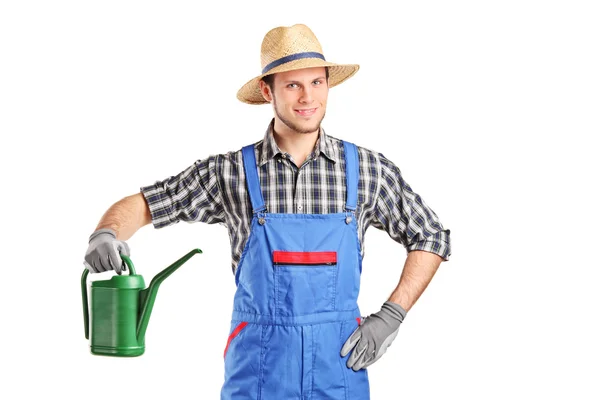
307, 96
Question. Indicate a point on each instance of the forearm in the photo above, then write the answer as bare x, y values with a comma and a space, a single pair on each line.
419, 268
126, 216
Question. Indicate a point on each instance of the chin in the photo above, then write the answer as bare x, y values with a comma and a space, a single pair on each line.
311, 125
308, 128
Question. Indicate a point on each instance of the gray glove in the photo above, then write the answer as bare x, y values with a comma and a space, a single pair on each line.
373, 336
103, 253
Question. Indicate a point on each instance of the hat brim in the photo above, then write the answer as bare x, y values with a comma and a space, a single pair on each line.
338, 73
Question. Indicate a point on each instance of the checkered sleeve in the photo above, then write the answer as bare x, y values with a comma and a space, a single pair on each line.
192, 196
405, 216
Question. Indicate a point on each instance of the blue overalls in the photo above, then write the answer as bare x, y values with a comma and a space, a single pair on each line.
296, 301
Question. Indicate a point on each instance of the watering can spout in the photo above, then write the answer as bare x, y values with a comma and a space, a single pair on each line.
148, 295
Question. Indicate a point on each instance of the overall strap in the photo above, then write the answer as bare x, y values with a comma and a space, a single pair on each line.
250, 168
351, 156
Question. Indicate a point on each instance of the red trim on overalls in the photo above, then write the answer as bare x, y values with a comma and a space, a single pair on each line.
235, 332
305, 257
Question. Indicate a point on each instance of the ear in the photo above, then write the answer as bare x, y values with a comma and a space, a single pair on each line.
265, 90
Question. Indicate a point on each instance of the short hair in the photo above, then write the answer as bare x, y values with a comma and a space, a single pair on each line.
269, 79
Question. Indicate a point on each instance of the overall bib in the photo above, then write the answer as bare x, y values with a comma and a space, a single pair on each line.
296, 301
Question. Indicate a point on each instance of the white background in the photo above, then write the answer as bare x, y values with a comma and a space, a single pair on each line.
488, 108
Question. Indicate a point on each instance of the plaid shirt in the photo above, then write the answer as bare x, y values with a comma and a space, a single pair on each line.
213, 190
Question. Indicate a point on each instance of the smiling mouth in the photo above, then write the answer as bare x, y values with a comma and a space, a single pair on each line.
306, 112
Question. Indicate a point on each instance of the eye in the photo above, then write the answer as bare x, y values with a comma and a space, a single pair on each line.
317, 82
292, 85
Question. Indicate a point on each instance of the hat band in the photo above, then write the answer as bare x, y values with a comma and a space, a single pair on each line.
292, 57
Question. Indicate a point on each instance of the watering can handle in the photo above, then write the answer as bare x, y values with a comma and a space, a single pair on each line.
84, 295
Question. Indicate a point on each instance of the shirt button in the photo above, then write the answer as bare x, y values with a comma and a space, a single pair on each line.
300, 208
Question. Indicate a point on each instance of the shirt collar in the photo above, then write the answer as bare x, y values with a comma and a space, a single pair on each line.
270, 149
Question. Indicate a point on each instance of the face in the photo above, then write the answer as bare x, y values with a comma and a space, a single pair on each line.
299, 99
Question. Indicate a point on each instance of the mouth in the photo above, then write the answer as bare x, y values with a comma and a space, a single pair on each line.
307, 112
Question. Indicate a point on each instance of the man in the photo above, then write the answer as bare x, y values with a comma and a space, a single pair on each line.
297, 205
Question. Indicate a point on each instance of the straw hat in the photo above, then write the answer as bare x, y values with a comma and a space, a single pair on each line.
287, 49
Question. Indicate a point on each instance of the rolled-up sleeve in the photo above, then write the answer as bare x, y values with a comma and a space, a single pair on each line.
404, 215
192, 196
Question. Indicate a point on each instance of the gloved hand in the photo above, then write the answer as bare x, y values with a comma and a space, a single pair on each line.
373, 336
103, 253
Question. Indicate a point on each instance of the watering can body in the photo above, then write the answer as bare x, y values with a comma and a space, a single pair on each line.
115, 311
120, 308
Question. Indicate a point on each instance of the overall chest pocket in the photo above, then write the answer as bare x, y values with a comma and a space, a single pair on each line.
305, 282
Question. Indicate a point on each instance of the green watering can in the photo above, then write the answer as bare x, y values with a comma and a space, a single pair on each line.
121, 308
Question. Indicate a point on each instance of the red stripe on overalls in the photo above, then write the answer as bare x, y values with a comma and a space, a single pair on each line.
235, 332
304, 257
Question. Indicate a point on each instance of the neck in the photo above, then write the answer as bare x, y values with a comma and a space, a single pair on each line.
298, 145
